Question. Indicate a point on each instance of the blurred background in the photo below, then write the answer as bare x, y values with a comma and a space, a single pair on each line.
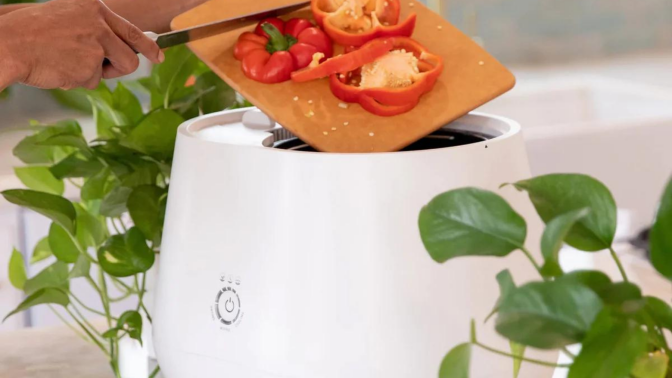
594, 95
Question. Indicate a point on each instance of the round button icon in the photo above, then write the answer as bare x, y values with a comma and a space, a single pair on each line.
227, 306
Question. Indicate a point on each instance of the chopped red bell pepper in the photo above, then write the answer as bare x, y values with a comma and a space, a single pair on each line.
356, 22
346, 62
390, 101
277, 48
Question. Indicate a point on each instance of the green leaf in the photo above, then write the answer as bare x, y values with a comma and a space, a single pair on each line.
593, 279
519, 351
131, 322
126, 255
610, 349
557, 194
506, 286
623, 296
43, 296
81, 268
470, 222
651, 365
41, 251
17, 270
30, 151
62, 244
75, 99
97, 186
661, 235
106, 114
548, 315
40, 179
170, 77
53, 276
553, 238
54, 207
155, 135
147, 207
126, 102
114, 204
91, 230
456, 363
143, 173
76, 166
659, 311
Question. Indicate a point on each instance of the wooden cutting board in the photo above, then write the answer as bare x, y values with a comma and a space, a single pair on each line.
471, 77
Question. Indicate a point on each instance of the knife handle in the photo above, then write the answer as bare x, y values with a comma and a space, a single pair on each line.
151, 35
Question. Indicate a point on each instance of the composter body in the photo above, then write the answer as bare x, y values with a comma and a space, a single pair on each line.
281, 263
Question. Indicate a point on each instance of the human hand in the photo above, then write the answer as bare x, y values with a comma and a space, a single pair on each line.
62, 44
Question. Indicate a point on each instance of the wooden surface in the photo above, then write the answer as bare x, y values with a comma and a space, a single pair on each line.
471, 77
50, 353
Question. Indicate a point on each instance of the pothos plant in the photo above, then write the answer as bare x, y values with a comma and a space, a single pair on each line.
122, 175
622, 332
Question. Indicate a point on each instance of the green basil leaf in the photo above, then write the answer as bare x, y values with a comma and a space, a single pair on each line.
548, 315
126, 255
456, 363
147, 207
62, 244
610, 349
470, 222
114, 203
53, 276
43, 296
41, 251
81, 268
75, 166
54, 207
17, 270
155, 134
506, 286
557, 194
519, 351
651, 365
553, 239
40, 179
91, 230
661, 236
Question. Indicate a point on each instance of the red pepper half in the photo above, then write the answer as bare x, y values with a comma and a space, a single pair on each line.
356, 22
277, 48
391, 101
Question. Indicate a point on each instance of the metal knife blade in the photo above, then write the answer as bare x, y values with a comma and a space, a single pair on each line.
208, 30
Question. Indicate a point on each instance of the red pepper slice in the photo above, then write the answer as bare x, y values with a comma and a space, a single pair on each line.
277, 48
356, 22
388, 102
346, 62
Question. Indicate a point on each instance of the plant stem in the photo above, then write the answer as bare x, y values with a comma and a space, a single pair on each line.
155, 372
87, 308
530, 360
618, 263
91, 336
529, 256
114, 225
142, 289
104, 297
119, 299
67, 323
123, 226
149, 317
122, 286
74, 183
86, 322
568, 353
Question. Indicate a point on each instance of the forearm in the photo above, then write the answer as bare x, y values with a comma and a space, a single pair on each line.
151, 15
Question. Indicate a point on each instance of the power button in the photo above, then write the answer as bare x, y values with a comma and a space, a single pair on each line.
227, 305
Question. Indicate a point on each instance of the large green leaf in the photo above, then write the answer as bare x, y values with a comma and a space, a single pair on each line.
548, 315
91, 230
557, 194
40, 179
62, 244
553, 238
54, 207
53, 276
610, 349
144, 172
470, 222
126, 102
126, 255
76, 166
73, 99
17, 270
593, 279
147, 207
651, 365
623, 296
155, 134
660, 311
41, 251
168, 79
30, 150
456, 363
661, 235
43, 296
97, 186
114, 203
